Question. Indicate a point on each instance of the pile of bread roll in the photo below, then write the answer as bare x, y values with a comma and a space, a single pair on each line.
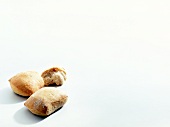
42, 100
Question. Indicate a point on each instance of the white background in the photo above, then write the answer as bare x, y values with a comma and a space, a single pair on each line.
116, 53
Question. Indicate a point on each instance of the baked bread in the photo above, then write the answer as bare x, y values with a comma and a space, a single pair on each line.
45, 101
55, 75
26, 83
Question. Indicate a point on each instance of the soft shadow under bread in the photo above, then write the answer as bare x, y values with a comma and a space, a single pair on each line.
7, 96
24, 116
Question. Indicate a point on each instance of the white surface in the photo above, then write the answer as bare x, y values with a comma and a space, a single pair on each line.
116, 53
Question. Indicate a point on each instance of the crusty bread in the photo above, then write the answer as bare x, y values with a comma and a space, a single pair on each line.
26, 83
45, 101
55, 75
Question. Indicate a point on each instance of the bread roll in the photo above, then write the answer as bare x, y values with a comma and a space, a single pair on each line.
55, 75
26, 83
45, 101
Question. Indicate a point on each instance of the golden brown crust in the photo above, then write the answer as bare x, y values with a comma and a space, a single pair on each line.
45, 101
26, 83
36, 106
54, 69
54, 75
